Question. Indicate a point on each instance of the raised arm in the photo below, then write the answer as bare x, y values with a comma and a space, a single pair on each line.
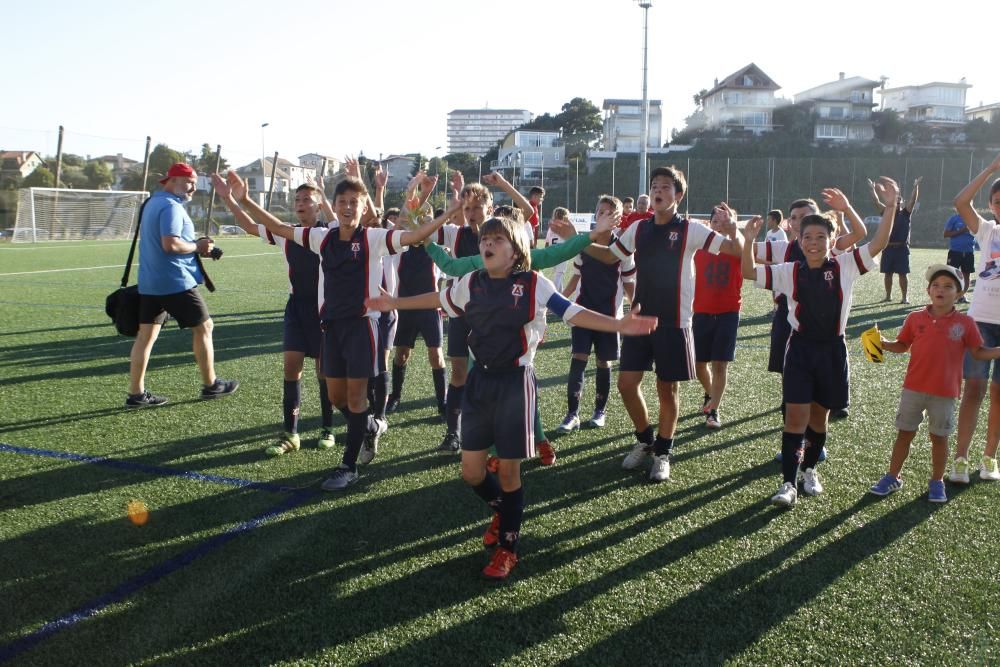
888, 191
603, 224
381, 178
386, 302
496, 180
324, 203
242, 219
733, 245
632, 324
747, 265
875, 200
554, 255
238, 189
455, 267
914, 195
415, 236
963, 200
837, 200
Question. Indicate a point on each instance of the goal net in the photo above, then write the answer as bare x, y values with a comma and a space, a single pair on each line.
50, 214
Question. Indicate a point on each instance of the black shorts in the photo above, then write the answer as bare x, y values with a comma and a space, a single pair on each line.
816, 371
715, 336
350, 348
963, 261
302, 331
458, 335
895, 259
498, 407
425, 323
671, 348
780, 331
606, 344
187, 307
387, 329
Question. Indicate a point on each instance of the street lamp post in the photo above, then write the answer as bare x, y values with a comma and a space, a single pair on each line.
644, 120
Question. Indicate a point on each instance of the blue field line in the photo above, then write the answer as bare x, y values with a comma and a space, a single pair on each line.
151, 470
147, 578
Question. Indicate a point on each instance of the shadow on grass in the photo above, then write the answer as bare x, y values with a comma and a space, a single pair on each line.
764, 585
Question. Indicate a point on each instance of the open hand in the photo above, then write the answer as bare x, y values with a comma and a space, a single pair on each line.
352, 167
221, 187
752, 227
836, 199
563, 228
457, 181
237, 186
383, 303
887, 190
634, 324
381, 176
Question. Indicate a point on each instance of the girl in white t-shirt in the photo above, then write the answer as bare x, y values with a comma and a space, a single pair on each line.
985, 310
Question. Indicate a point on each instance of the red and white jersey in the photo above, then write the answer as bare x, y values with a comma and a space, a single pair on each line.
350, 270
505, 316
819, 300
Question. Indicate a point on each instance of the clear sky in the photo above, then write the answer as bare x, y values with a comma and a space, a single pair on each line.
381, 76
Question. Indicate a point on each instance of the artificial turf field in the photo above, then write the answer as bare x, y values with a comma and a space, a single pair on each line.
244, 561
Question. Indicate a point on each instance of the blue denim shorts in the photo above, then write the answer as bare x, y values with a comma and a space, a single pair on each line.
973, 369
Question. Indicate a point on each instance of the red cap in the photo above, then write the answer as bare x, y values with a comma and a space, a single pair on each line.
180, 169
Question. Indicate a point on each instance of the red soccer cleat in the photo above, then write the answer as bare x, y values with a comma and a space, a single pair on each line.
492, 464
501, 564
546, 453
492, 534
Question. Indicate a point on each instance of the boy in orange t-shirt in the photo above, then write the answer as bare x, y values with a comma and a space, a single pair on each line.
937, 337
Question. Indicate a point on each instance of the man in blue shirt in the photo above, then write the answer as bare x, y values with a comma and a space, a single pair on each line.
169, 274
961, 247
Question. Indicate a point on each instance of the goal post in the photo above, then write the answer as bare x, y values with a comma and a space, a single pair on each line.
57, 214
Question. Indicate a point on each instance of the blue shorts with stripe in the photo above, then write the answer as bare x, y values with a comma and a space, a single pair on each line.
671, 348
498, 407
606, 344
715, 336
350, 348
302, 330
780, 331
816, 372
425, 323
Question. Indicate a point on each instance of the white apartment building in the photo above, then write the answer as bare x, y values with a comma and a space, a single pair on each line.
623, 125
476, 131
842, 108
742, 102
938, 102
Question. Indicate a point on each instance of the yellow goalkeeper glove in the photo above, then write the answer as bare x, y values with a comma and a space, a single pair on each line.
871, 343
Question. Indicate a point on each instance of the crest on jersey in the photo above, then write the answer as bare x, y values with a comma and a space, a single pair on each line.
674, 236
355, 248
956, 332
828, 276
517, 291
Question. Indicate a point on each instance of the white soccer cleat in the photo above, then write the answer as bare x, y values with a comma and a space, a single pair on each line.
660, 470
959, 471
786, 495
810, 482
637, 456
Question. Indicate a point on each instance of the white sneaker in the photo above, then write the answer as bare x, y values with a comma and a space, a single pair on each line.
598, 420
959, 471
786, 495
810, 482
712, 420
660, 470
988, 470
570, 424
637, 456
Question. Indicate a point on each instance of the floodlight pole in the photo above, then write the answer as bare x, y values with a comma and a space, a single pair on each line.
145, 164
211, 196
270, 187
644, 120
59, 157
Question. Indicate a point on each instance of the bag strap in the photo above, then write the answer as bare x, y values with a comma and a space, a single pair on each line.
135, 238
209, 285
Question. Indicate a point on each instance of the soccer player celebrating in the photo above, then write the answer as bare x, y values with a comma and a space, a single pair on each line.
302, 333
504, 307
819, 289
350, 257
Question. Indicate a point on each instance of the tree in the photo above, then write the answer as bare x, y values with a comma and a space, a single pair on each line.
467, 163
889, 127
205, 163
39, 178
581, 125
546, 122
981, 132
69, 160
160, 160
98, 175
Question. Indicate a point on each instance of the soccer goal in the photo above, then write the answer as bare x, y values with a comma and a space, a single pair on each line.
51, 214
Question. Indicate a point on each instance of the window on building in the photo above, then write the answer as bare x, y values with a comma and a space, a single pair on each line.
830, 131
836, 112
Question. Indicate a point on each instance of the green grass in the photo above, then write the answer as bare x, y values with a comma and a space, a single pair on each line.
614, 570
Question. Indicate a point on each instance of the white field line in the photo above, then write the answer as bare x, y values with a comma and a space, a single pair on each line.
118, 266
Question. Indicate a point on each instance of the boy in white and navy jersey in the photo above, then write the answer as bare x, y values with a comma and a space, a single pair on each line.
815, 378
601, 289
351, 271
664, 248
504, 306
302, 334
